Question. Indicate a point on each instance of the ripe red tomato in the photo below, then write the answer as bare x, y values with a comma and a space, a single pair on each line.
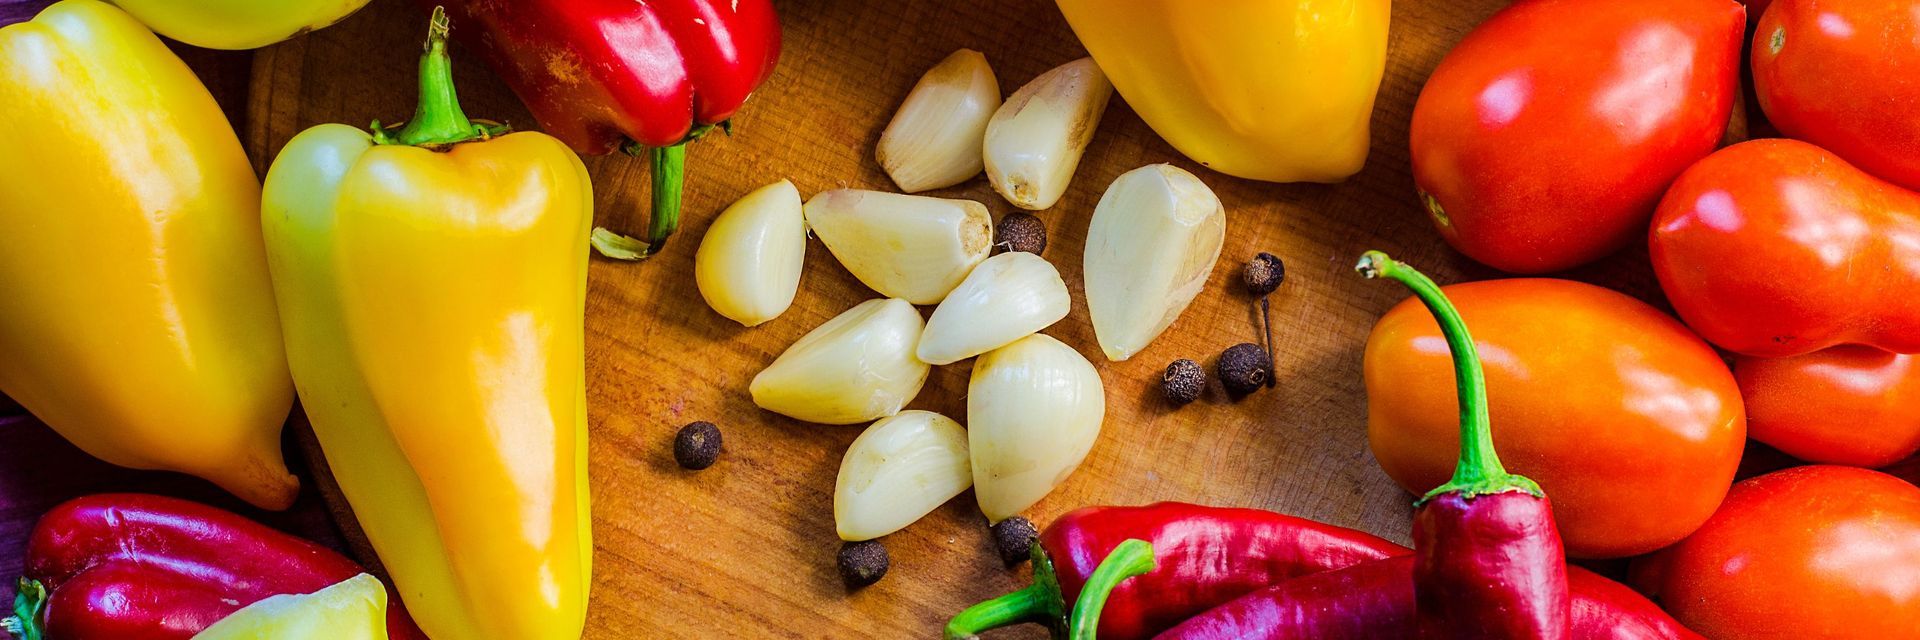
1545, 138
1849, 405
1810, 552
1845, 75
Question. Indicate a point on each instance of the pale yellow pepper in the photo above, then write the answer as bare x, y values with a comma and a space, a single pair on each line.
238, 24
354, 609
432, 283
136, 313
1276, 90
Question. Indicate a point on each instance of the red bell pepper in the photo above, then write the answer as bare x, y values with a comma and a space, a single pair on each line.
619, 74
1206, 556
1775, 248
144, 567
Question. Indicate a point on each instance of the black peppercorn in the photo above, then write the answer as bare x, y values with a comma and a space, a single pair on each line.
863, 563
1264, 273
1014, 538
1183, 382
1020, 232
1244, 368
697, 445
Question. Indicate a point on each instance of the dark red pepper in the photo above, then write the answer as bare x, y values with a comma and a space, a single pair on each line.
144, 567
1206, 556
619, 74
1488, 562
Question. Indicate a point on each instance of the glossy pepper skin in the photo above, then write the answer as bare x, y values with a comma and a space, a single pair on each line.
144, 567
1808, 552
238, 24
1851, 405
1844, 74
1830, 253
1205, 556
1487, 560
1275, 91
1608, 379
139, 321
433, 282
617, 74
1544, 139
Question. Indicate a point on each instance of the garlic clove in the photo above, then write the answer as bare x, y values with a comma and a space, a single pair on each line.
1034, 409
857, 367
1008, 297
1034, 141
911, 247
897, 471
1155, 237
934, 139
748, 264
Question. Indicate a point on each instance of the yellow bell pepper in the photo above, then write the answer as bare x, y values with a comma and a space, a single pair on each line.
432, 284
354, 609
1276, 90
136, 313
238, 24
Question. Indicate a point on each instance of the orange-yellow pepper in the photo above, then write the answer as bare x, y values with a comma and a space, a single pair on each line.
1276, 90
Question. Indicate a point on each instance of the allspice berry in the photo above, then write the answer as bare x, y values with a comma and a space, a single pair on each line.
697, 445
1183, 382
863, 563
1264, 273
1020, 232
1014, 538
1244, 368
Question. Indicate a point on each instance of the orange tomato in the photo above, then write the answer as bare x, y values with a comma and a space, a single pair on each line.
1849, 405
1632, 424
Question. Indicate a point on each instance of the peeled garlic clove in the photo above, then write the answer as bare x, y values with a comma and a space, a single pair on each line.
1033, 411
1035, 140
1008, 297
934, 139
748, 264
857, 367
1154, 238
897, 471
911, 247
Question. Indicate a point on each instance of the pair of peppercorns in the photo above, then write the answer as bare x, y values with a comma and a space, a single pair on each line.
1243, 368
866, 562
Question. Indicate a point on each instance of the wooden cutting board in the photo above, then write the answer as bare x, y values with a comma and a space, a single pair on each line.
746, 548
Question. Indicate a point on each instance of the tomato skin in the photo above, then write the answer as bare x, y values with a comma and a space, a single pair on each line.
1810, 552
1777, 248
1632, 425
1849, 405
1544, 139
1845, 75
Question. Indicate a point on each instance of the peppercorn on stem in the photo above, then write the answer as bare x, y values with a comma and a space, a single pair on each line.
1129, 559
437, 118
29, 604
1266, 321
1039, 603
1479, 471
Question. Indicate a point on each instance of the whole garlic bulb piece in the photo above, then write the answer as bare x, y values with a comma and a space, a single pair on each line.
857, 367
934, 139
748, 264
914, 248
1035, 140
1008, 297
1155, 237
1034, 409
897, 471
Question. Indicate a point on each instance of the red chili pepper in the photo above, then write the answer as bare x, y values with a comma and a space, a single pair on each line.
618, 74
1206, 556
143, 567
1488, 562
1376, 600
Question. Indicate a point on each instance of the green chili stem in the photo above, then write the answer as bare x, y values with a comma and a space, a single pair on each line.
29, 604
669, 180
1131, 558
437, 119
1479, 471
1040, 603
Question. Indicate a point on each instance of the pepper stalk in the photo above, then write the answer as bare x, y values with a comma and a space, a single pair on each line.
1042, 602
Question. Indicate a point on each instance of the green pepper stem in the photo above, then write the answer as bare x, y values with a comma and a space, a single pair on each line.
1131, 558
437, 120
1040, 603
29, 604
669, 181
1478, 471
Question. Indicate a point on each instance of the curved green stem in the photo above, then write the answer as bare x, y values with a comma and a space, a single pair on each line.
437, 120
1479, 471
1040, 603
1131, 558
29, 605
